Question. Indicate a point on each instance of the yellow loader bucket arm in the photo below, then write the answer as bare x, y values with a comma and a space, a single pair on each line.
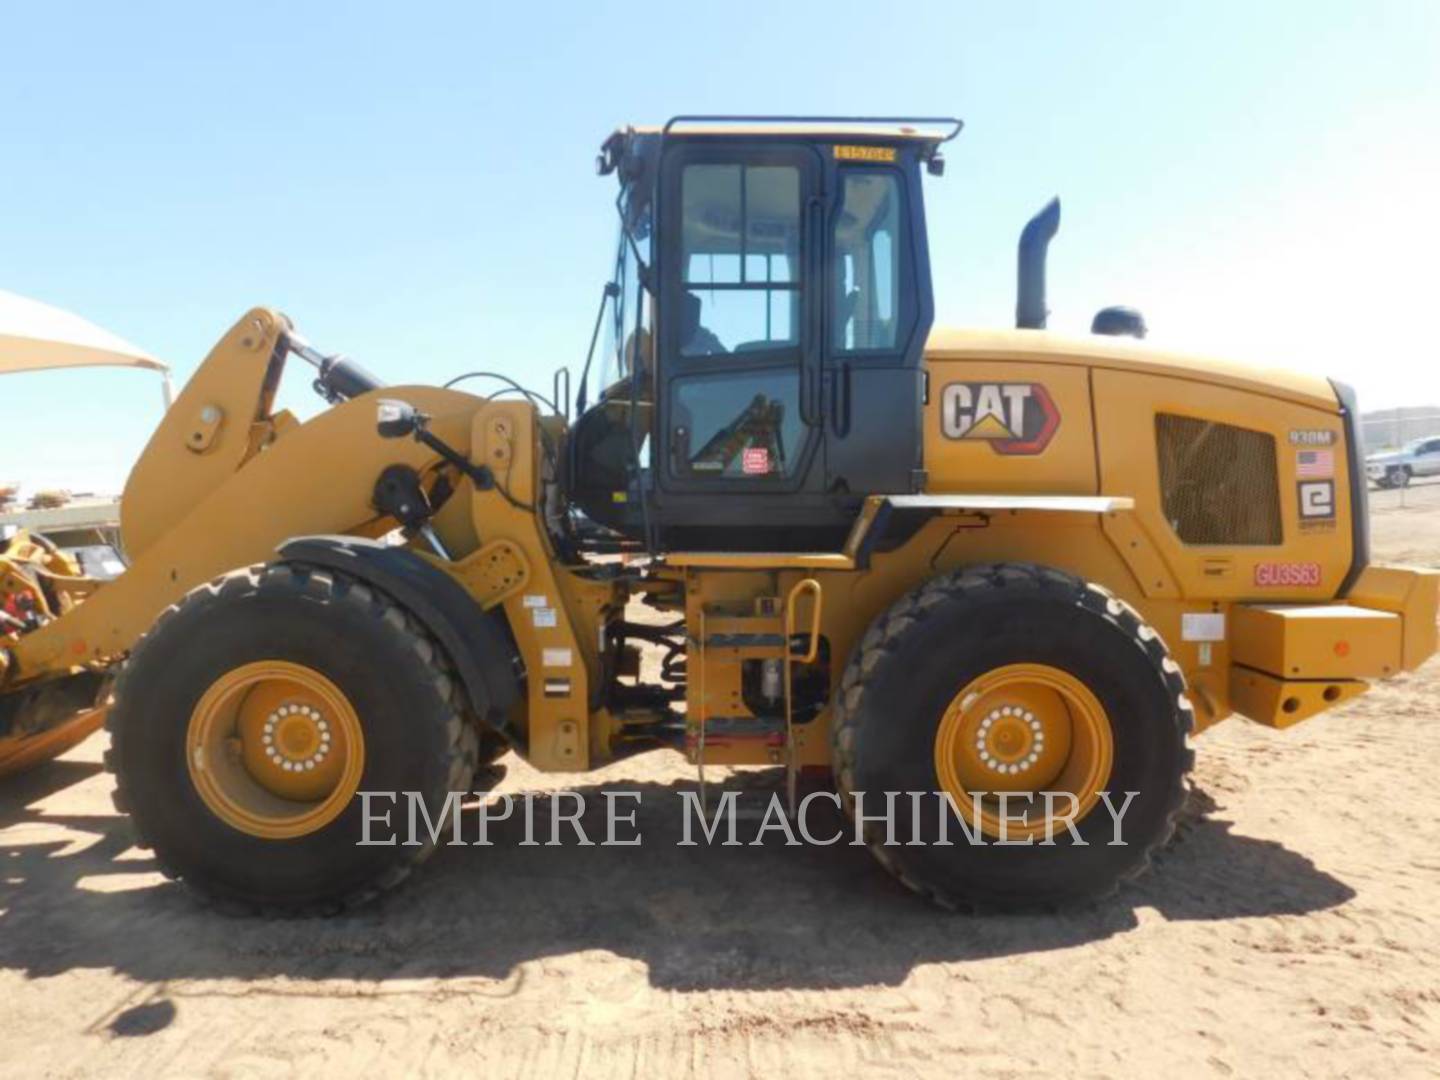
221, 484
302, 485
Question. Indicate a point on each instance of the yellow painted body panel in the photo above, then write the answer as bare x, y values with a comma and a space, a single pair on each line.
1103, 353
1281, 703
1126, 404
1065, 467
1321, 641
1410, 592
206, 434
556, 617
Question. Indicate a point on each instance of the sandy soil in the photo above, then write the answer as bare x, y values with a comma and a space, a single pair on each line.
1294, 925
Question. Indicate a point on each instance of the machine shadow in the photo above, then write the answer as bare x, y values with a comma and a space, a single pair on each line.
704, 917
20, 792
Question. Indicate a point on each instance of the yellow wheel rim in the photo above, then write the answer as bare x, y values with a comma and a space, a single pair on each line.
1024, 728
275, 749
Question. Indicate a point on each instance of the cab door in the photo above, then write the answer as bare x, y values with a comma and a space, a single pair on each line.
740, 325
879, 311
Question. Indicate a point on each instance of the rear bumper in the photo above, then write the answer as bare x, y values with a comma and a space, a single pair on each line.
1291, 661
1412, 594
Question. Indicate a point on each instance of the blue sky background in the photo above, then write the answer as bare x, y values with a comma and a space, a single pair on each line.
413, 182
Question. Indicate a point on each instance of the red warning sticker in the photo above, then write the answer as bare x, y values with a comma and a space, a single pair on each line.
755, 461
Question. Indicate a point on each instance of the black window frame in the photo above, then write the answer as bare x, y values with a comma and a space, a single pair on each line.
670, 265
669, 269
910, 308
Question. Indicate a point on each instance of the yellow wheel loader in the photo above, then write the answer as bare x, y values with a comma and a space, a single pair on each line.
988, 566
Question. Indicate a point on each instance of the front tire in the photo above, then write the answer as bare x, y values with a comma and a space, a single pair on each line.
1398, 476
250, 716
1014, 678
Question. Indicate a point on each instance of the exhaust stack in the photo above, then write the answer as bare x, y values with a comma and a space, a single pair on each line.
1030, 309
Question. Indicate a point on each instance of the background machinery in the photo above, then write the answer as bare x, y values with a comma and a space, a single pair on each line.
982, 563
40, 571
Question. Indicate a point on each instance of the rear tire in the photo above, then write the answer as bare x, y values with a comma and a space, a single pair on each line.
354, 643
920, 658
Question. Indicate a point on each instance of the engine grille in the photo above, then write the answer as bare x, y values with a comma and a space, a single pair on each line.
1218, 482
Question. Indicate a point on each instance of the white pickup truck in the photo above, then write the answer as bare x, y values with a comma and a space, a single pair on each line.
1396, 468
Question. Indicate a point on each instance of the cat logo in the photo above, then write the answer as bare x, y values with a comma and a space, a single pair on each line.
1014, 418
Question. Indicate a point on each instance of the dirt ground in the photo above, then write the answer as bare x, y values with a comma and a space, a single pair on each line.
1294, 925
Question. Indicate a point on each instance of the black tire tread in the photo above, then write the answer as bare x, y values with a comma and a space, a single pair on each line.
325, 587
908, 614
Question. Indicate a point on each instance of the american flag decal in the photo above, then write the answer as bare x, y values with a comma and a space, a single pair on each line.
1314, 464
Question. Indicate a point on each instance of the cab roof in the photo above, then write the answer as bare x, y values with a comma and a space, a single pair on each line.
926, 129
639, 147
920, 128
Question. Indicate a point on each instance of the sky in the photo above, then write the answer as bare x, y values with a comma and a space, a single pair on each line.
413, 183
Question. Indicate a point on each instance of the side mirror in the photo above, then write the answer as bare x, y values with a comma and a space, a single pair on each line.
397, 419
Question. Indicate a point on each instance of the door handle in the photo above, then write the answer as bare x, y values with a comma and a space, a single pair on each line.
809, 394
679, 449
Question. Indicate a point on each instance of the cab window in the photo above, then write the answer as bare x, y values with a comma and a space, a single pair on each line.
740, 258
740, 425
865, 310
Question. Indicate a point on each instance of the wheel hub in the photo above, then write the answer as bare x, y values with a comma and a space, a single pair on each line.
1023, 729
296, 737
275, 749
1010, 739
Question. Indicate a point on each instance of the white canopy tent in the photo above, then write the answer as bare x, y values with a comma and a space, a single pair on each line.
38, 337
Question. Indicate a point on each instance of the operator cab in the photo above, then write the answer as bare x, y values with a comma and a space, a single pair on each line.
766, 324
